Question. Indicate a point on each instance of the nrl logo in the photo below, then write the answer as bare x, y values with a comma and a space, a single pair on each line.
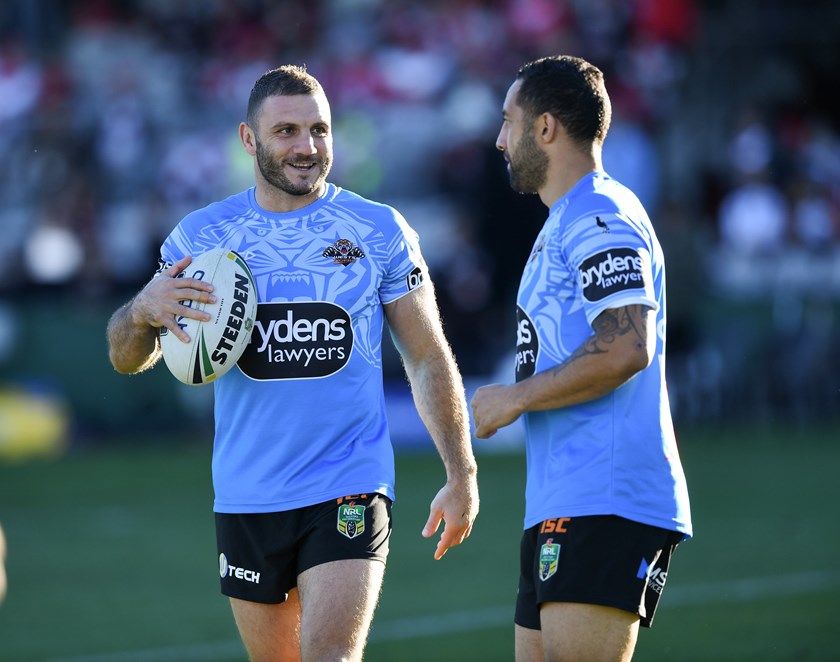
549, 553
343, 252
351, 520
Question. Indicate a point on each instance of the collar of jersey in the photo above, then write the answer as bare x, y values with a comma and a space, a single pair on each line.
589, 182
330, 191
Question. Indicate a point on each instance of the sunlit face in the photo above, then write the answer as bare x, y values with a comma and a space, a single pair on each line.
293, 139
527, 163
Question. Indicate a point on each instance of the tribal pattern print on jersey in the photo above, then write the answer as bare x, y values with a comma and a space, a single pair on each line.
302, 418
615, 455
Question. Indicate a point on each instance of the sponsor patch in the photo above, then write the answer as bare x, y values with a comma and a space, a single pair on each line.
343, 252
549, 555
351, 520
654, 577
414, 279
298, 340
223, 566
612, 271
527, 345
232, 571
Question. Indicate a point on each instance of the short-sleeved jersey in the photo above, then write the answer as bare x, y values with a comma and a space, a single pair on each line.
301, 418
616, 455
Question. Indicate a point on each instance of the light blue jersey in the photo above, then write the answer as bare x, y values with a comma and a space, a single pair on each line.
301, 419
616, 455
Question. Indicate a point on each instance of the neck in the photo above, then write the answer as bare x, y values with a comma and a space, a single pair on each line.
276, 200
566, 169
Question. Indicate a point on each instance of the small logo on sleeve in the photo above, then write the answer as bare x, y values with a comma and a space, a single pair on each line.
414, 279
612, 271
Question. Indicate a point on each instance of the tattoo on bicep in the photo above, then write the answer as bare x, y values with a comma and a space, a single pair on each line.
613, 323
608, 326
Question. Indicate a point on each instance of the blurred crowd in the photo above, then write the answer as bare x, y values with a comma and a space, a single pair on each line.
120, 117
117, 118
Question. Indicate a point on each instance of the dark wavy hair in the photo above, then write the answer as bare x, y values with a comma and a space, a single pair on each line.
572, 90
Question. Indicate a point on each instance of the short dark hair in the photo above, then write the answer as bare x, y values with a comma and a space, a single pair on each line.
572, 90
287, 80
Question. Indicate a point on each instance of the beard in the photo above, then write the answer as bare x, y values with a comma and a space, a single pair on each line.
527, 166
272, 171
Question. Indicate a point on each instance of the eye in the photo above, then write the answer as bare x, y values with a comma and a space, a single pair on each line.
320, 131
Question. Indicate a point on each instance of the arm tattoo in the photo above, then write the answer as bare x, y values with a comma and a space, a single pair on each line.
610, 324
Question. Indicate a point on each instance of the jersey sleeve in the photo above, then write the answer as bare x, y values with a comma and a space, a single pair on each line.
406, 269
612, 262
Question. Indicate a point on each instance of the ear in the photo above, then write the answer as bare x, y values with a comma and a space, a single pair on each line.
248, 139
547, 128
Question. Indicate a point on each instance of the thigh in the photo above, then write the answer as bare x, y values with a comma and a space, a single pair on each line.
338, 600
595, 633
270, 632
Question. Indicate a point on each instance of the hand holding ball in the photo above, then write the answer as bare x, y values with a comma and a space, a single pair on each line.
216, 345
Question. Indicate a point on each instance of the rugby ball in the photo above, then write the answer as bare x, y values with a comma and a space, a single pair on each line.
216, 345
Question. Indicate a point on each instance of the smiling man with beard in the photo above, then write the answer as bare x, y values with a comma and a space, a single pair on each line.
303, 467
605, 500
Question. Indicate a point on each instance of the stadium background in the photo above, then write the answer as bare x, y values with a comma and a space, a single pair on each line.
116, 118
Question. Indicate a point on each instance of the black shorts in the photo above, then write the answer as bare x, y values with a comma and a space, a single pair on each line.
262, 554
600, 560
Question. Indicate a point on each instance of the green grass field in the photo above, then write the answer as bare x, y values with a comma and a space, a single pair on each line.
112, 558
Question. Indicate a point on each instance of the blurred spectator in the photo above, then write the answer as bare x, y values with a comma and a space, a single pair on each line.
754, 218
813, 219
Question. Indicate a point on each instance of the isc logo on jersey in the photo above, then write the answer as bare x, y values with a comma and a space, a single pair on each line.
612, 271
298, 340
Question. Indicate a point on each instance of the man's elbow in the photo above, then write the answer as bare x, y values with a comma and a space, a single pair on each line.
122, 365
633, 362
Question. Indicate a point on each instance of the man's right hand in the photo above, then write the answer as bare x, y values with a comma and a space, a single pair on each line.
159, 304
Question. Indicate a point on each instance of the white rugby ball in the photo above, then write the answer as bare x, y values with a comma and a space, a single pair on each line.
216, 345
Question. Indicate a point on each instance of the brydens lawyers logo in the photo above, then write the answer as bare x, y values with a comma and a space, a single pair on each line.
343, 252
527, 345
298, 340
612, 271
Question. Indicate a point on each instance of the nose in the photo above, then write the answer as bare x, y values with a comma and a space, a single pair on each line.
306, 144
501, 140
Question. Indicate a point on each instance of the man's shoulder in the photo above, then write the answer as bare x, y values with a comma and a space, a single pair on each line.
346, 198
385, 217
233, 205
